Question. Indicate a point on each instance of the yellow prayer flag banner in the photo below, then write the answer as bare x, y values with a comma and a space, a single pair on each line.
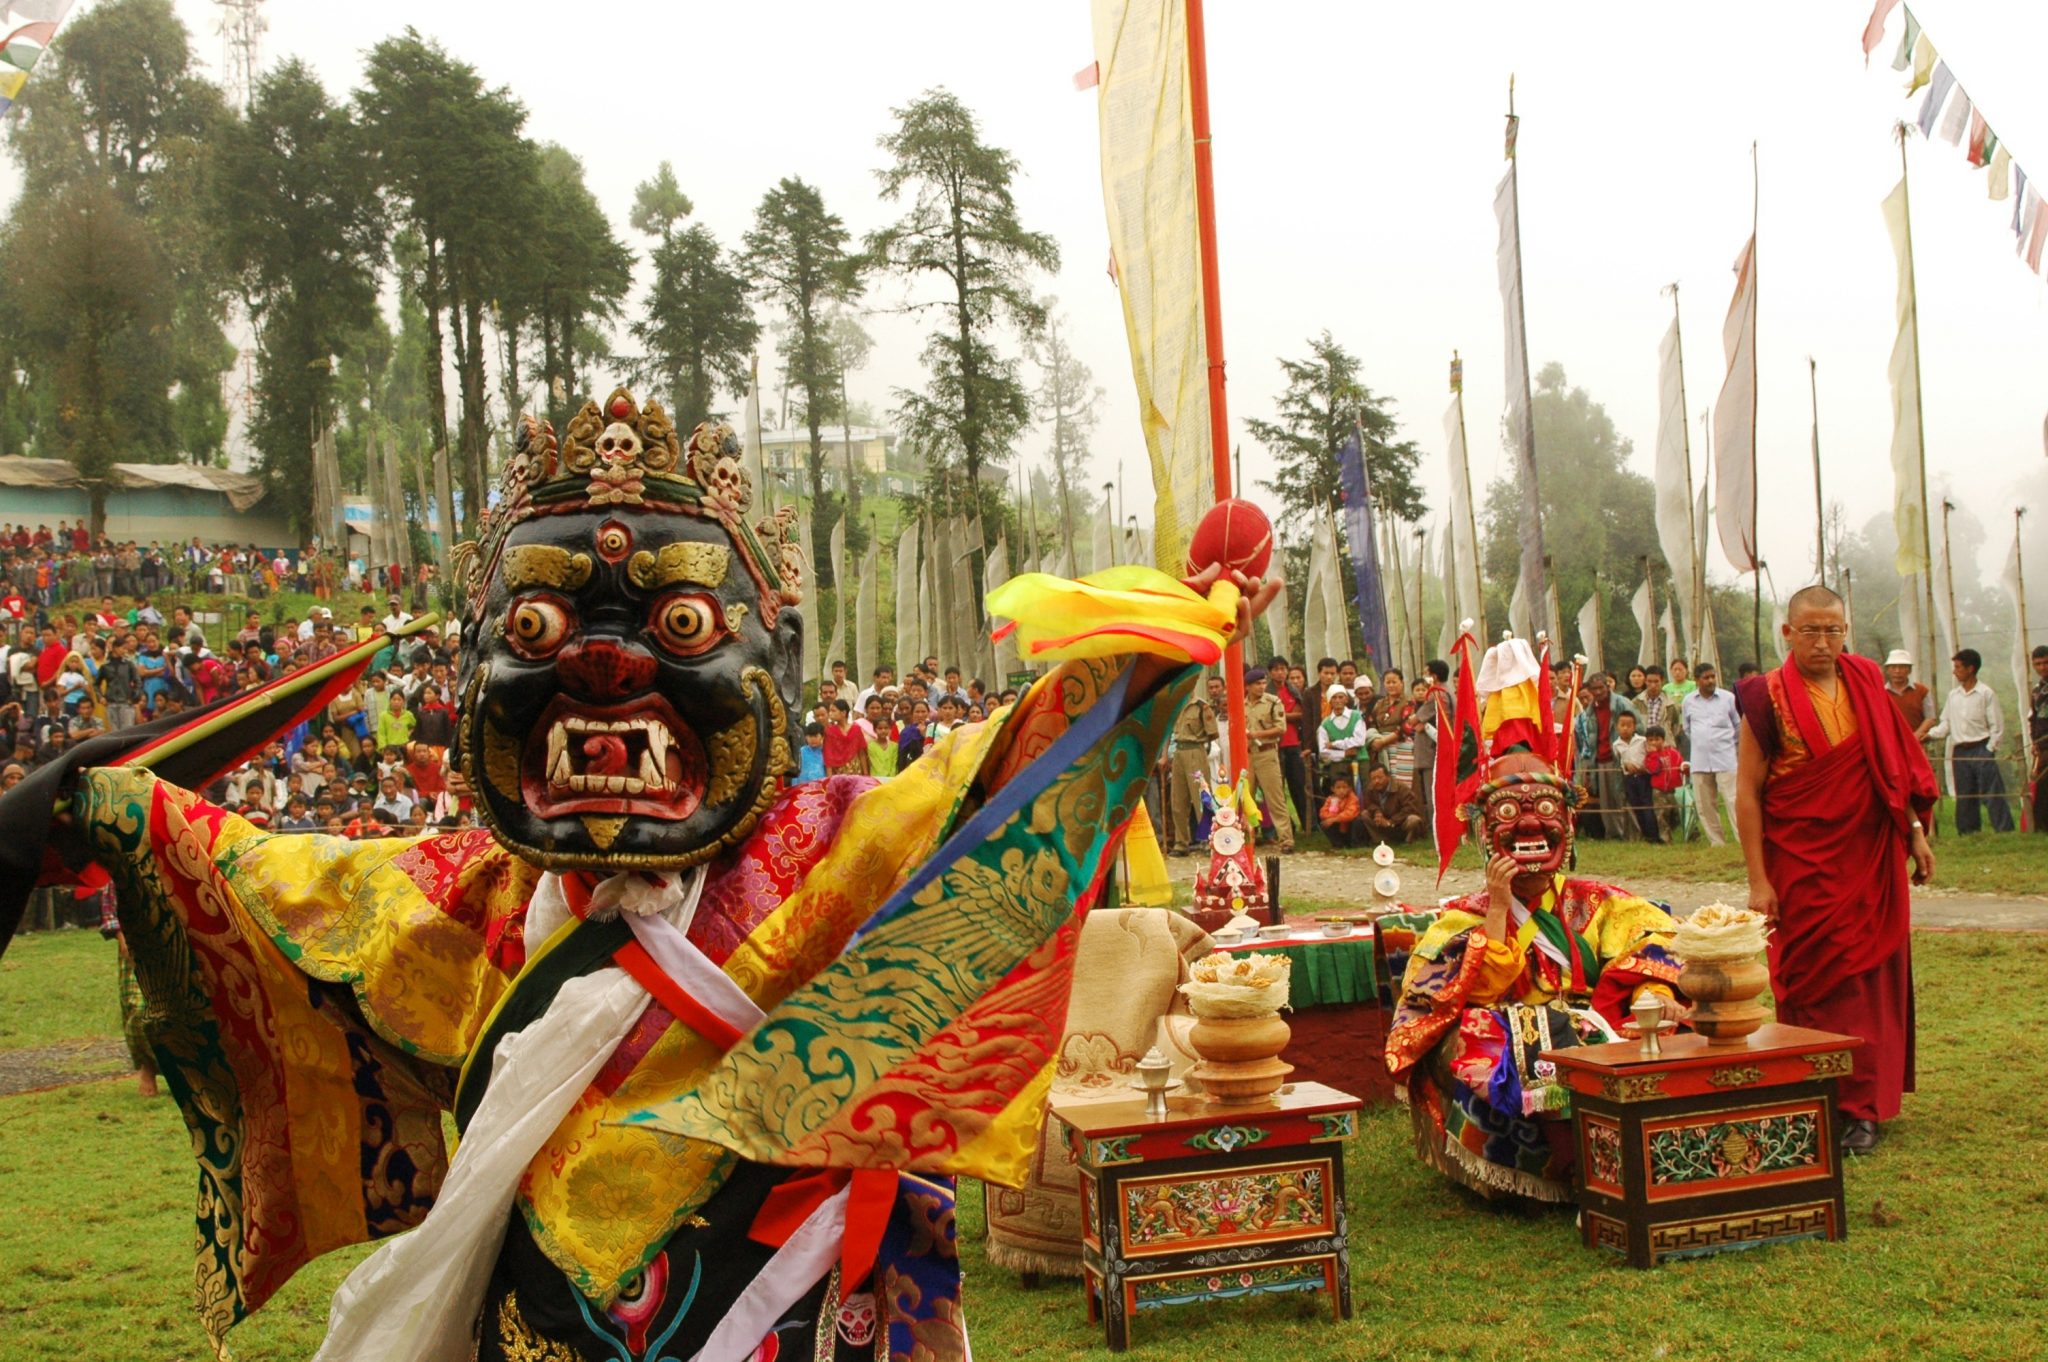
1148, 191
1924, 57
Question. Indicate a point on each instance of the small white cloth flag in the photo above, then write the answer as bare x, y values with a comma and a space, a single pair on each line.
1956, 119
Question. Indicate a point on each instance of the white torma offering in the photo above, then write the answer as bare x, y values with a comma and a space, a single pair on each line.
1720, 932
1224, 985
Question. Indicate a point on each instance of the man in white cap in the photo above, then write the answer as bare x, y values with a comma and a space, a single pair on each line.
1915, 701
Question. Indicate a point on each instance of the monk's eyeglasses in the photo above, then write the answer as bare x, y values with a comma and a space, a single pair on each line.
1826, 631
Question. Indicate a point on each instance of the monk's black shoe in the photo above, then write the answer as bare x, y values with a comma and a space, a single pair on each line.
1860, 1136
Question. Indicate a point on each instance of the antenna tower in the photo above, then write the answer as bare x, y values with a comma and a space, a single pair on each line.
241, 34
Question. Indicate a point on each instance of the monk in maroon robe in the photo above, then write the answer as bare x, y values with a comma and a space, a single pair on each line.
1832, 798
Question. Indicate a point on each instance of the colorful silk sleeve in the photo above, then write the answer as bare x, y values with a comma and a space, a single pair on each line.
924, 1045
1440, 976
314, 1111
1633, 937
1115, 612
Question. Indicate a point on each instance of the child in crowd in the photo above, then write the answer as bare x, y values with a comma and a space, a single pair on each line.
1661, 762
1630, 748
810, 758
882, 735
1340, 820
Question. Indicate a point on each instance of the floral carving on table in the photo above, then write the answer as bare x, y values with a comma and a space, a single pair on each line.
1222, 1205
1713, 1150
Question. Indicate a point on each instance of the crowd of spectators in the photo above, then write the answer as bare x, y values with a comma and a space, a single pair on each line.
84, 651
51, 567
1654, 751
882, 727
373, 763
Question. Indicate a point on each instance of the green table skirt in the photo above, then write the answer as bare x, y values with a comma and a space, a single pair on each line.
1338, 970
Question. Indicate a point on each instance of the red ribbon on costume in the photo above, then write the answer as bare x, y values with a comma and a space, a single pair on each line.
634, 959
790, 1204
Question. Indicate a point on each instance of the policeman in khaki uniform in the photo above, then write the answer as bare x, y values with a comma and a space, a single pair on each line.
1265, 723
1193, 731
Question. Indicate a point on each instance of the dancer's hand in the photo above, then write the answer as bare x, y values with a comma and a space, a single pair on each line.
1500, 892
1254, 593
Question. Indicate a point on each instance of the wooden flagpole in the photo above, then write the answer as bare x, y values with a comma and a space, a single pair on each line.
1212, 337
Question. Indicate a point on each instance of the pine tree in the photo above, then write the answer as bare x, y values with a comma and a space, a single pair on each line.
961, 231
1067, 400
303, 229
1325, 399
797, 254
698, 327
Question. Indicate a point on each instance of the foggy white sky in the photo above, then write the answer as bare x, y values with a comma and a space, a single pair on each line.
1357, 147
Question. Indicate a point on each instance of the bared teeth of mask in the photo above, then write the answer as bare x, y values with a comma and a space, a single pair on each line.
650, 774
634, 785
559, 774
558, 744
658, 739
614, 784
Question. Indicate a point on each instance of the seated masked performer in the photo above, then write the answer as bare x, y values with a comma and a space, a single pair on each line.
1494, 981
715, 1046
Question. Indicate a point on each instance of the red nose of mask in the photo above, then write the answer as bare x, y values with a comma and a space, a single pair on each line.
603, 669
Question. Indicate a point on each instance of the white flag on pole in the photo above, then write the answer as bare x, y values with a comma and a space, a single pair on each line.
1465, 550
1447, 636
808, 608
1278, 617
1644, 608
1735, 420
1909, 494
842, 598
1674, 485
1589, 634
907, 594
1336, 610
1944, 584
2022, 666
1314, 623
1912, 631
1518, 612
997, 573
757, 457
867, 646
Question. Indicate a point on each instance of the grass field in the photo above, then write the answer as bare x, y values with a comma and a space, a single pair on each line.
1945, 1258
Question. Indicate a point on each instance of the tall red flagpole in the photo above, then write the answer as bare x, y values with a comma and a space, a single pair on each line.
1212, 331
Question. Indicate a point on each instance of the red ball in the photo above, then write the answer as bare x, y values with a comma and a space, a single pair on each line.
1236, 534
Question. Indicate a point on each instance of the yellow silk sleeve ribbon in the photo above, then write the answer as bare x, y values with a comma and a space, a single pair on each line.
1121, 610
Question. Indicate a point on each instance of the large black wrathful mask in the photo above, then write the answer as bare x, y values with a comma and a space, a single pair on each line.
631, 646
